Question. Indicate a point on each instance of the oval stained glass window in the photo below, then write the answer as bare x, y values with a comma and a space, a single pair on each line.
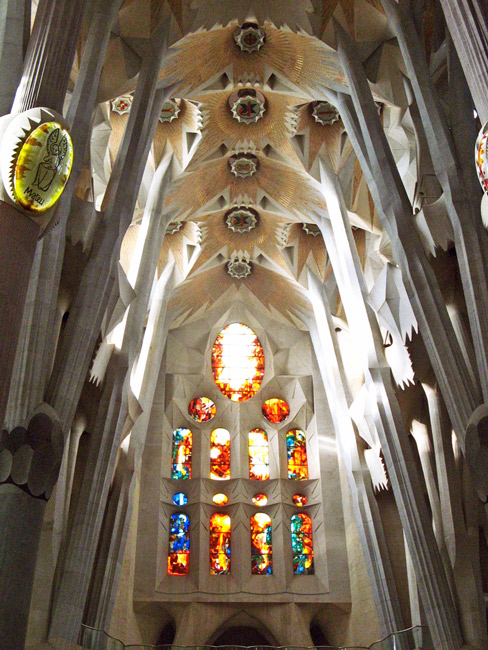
180, 499
238, 362
220, 499
299, 500
260, 500
202, 409
276, 410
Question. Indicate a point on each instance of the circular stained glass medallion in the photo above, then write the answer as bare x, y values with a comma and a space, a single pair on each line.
220, 499
299, 500
180, 499
260, 500
202, 409
276, 410
43, 167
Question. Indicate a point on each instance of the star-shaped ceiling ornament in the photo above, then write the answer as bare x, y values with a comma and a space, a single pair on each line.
292, 63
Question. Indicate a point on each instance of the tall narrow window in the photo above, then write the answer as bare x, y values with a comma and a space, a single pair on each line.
258, 455
181, 456
219, 544
238, 362
179, 545
261, 545
302, 544
296, 449
220, 454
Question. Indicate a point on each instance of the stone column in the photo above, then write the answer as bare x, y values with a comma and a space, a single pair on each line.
18, 240
14, 35
50, 54
461, 192
465, 563
365, 507
407, 489
395, 212
467, 21
29, 464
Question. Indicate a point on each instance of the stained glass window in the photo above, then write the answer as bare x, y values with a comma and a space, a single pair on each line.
219, 544
302, 544
220, 454
258, 455
260, 500
296, 449
220, 499
179, 545
181, 456
238, 362
261, 545
276, 410
180, 499
299, 500
202, 409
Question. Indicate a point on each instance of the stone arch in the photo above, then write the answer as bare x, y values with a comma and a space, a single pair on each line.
240, 628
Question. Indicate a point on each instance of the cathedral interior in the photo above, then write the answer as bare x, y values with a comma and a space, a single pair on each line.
245, 324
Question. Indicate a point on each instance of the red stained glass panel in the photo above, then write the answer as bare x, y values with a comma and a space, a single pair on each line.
261, 545
219, 544
276, 410
202, 409
220, 454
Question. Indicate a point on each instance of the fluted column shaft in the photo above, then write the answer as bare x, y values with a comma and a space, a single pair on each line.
467, 21
50, 54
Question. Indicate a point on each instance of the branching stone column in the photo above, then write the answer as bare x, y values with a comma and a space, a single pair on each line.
465, 564
461, 192
407, 488
29, 465
113, 424
468, 24
365, 507
395, 212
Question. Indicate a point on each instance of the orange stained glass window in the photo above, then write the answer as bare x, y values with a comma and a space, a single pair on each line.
219, 544
220, 454
179, 545
296, 450
260, 500
261, 545
220, 499
258, 455
276, 410
181, 454
238, 362
202, 409
299, 500
302, 544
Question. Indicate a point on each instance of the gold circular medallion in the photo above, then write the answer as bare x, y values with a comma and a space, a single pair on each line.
43, 167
